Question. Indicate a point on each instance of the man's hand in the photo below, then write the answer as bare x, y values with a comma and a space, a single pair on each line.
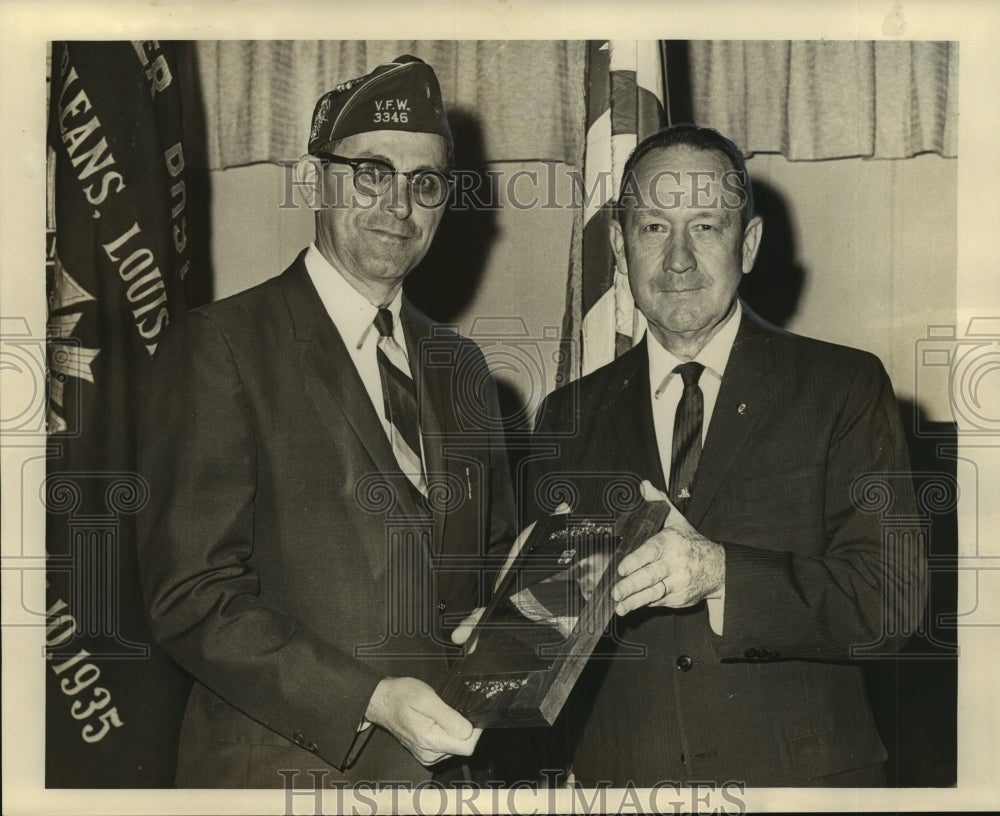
423, 723
677, 567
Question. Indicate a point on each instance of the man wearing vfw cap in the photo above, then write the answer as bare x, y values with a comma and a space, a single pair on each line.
306, 467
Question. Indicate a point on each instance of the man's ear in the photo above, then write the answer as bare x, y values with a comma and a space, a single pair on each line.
751, 242
618, 245
308, 179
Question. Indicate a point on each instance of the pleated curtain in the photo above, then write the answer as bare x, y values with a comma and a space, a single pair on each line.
814, 100
525, 96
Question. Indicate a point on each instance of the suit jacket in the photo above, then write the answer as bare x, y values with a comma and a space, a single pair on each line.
804, 480
287, 562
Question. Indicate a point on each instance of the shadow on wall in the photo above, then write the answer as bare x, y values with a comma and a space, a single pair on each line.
445, 282
915, 696
774, 286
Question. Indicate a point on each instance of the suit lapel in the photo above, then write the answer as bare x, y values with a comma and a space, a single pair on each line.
631, 413
433, 394
334, 383
745, 397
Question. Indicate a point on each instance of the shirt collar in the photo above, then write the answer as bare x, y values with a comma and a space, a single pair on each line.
715, 355
349, 310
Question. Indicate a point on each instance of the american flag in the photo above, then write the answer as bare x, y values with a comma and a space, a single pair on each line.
625, 103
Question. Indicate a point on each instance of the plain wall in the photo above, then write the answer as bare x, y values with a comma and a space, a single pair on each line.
875, 246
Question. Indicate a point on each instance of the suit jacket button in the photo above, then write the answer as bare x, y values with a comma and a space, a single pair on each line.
298, 739
684, 663
750, 654
442, 607
312, 746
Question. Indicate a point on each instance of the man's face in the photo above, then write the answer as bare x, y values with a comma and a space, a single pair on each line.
375, 240
683, 244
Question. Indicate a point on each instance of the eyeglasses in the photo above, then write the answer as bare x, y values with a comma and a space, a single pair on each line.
372, 177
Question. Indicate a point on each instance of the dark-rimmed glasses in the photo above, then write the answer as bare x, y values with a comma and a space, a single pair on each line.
372, 177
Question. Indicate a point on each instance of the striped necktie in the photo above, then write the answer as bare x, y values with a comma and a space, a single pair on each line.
399, 398
686, 450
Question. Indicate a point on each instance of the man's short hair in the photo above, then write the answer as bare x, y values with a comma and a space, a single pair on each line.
698, 138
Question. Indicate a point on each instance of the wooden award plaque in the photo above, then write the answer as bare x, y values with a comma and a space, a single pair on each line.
545, 618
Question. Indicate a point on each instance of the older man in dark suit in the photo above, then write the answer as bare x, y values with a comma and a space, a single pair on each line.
308, 469
733, 656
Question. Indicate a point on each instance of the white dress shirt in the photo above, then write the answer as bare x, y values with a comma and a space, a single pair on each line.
353, 316
665, 388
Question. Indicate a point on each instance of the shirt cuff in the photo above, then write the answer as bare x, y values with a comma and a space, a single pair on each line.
361, 737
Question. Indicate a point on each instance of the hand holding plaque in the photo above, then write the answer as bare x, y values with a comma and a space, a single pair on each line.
545, 618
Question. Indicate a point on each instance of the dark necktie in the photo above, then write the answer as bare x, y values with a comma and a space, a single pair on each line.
399, 399
686, 449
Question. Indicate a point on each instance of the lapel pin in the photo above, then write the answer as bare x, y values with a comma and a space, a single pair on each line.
741, 408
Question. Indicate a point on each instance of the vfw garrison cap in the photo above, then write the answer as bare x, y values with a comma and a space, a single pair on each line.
401, 95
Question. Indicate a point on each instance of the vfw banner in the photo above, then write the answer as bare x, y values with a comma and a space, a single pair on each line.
117, 260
